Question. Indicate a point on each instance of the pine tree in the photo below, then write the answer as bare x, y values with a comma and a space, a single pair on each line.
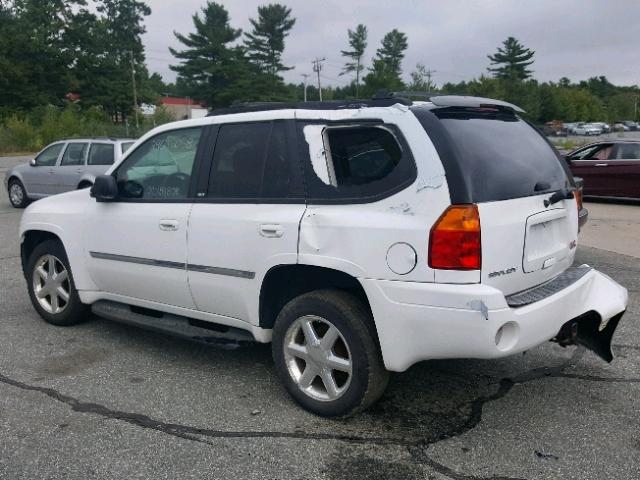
265, 43
385, 72
211, 69
358, 44
511, 60
392, 51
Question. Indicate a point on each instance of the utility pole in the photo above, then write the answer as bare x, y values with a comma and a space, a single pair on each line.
305, 75
135, 92
428, 74
317, 66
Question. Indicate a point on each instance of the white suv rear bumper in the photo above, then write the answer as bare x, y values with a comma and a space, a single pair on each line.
422, 321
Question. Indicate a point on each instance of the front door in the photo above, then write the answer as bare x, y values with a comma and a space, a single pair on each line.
71, 168
590, 164
249, 219
40, 180
137, 245
623, 171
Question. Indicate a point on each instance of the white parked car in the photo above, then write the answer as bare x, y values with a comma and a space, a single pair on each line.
357, 238
62, 166
587, 129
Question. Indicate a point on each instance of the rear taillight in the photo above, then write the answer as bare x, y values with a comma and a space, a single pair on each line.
578, 194
454, 243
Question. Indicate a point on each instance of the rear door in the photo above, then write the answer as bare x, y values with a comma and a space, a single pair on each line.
509, 169
72, 167
247, 217
623, 171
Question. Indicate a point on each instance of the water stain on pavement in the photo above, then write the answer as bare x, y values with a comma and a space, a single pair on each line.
71, 363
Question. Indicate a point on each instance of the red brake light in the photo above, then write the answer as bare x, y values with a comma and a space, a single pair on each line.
454, 243
578, 194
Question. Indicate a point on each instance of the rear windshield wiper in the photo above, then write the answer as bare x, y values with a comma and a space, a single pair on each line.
562, 194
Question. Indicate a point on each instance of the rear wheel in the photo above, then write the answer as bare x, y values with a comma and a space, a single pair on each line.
51, 287
326, 353
17, 194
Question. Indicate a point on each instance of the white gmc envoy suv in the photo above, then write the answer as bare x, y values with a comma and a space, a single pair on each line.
359, 238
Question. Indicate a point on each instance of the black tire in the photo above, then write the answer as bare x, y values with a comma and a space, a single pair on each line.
353, 320
84, 185
73, 311
14, 183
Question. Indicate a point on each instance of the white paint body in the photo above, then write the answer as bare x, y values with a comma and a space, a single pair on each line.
422, 314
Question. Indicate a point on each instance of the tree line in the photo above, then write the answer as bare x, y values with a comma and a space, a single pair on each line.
93, 49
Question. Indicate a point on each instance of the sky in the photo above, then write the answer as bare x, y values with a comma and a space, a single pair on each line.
577, 39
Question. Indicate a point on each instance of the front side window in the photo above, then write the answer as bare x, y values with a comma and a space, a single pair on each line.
101, 154
74, 154
160, 168
250, 161
49, 155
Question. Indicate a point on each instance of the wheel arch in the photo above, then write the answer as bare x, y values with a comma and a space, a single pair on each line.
282, 283
31, 239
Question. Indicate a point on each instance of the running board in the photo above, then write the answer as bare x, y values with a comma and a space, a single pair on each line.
176, 325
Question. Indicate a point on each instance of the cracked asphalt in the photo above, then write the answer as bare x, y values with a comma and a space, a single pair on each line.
103, 400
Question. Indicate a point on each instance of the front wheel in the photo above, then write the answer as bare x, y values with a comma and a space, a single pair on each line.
17, 194
326, 353
51, 288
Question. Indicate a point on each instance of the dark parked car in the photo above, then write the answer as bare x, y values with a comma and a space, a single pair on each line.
608, 168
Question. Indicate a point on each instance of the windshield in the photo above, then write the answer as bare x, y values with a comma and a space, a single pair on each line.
499, 156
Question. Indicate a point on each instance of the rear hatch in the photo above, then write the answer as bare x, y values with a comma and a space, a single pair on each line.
498, 161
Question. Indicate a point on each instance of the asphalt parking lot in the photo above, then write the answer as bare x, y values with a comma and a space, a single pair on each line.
103, 400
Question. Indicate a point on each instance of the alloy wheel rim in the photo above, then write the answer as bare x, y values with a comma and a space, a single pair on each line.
16, 194
318, 358
51, 285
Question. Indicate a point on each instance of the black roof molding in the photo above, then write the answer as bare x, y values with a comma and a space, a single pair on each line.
383, 98
325, 105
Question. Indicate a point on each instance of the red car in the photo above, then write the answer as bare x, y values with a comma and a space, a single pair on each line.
608, 168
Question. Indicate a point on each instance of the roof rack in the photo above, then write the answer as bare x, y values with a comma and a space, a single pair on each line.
243, 107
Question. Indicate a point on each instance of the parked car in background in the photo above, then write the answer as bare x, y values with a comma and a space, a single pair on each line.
587, 129
620, 127
609, 168
633, 126
63, 166
604, 127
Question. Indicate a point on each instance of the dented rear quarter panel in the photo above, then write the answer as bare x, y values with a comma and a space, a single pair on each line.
355, 238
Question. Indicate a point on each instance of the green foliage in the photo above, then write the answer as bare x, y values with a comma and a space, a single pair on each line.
386, 69
265, 42
358, 44
512, 60
212, 69
421, 79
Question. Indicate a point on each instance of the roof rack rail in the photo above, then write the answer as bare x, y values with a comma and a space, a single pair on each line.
243, 107
385, 94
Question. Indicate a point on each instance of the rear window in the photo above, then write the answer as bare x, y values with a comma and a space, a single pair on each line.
493, 155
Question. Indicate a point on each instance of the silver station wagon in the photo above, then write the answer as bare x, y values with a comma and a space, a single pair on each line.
63, 166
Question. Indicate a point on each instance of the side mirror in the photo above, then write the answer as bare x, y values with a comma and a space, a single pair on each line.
104, 189
33, 163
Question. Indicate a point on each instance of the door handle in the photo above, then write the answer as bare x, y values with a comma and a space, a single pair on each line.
271, 230
601, 164
80, 170
169, 225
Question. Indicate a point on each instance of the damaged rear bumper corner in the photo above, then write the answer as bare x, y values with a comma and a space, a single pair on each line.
421, 321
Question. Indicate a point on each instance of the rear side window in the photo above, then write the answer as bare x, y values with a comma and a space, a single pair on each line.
74, 154
101, 154
251, 161
124, 146
492, 155
627, 151
354, 163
